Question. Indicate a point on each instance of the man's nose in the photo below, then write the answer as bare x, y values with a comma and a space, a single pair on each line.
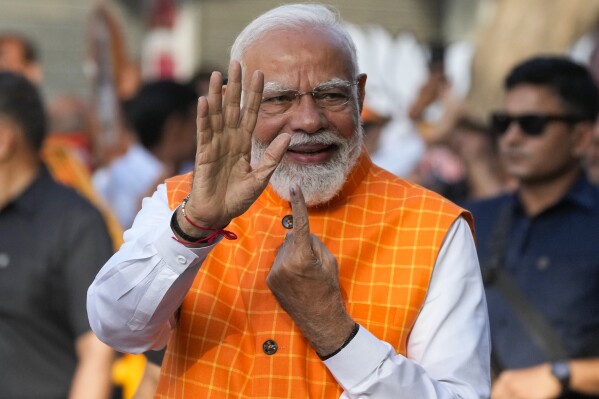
308, 116
513, 132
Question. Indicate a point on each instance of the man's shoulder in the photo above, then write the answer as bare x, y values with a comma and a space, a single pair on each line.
490, 205
60, 200
404, 201
402, 191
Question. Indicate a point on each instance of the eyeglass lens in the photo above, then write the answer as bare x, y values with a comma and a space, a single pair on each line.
530, 124
333, 98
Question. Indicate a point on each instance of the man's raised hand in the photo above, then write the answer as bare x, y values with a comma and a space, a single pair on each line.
224, 183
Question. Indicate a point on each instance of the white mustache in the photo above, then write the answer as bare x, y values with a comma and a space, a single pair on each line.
325, 137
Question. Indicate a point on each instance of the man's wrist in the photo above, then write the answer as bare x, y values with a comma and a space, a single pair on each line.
351, 336
562, 372
201, 234
181, 232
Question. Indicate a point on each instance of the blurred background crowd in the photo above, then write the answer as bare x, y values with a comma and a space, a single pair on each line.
120, 81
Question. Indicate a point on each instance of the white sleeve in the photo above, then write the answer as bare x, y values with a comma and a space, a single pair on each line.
449, 346
132, 302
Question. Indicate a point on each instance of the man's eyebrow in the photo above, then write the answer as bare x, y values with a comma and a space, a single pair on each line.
277, 86
332, 83
274, 86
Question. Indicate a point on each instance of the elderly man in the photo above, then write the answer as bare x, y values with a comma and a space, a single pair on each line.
288, 265
539, 244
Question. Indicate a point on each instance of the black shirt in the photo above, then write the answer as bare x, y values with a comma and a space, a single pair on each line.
52, 244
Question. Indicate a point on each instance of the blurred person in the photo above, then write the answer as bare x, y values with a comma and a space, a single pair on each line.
483, 175
52, 243
69, 119
200, 81
592, 157
67, 155
66, 149
538, 245
19, 54
333, 279
437, 112
372, 124
162, 119
151, 375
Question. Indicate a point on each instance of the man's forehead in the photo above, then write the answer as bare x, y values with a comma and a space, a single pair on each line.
529, 95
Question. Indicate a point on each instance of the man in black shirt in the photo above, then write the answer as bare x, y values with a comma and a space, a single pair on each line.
52, 243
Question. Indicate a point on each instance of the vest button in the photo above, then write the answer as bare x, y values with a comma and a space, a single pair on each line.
543, 263
287, 221
4, 260
270, 347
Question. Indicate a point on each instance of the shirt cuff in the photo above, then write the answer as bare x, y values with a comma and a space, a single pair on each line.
358, 359
177, 256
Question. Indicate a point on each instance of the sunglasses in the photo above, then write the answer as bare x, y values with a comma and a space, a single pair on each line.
530, 124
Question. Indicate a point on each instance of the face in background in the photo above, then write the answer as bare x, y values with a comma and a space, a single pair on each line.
592, 156
325, 144
12, 58
180, 137
546, 157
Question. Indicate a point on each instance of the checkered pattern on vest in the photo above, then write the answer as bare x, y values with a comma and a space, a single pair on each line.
385, 233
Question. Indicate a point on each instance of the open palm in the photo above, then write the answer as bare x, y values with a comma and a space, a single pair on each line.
224, 184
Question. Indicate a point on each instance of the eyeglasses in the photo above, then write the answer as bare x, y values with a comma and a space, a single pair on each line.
332, 97
530, 124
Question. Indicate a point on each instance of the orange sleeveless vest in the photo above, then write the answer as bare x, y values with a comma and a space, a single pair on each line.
385, 233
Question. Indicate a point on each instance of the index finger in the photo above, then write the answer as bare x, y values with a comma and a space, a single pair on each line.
301, 225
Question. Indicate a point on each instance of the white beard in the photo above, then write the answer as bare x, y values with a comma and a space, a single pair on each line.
319, 183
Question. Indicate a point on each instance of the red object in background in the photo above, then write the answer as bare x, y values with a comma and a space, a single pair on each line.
165, 67
162, 14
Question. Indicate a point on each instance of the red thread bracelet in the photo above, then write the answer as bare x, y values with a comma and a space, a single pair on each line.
229, 235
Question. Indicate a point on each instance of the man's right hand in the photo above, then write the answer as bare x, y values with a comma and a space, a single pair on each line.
224, 183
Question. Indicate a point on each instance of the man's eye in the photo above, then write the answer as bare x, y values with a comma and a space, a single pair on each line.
278, 99
331, 96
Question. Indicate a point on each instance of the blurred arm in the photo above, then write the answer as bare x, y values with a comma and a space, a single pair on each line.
92, 378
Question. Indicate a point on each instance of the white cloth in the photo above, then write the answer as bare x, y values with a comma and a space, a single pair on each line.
132, 302
400, 146
127, 180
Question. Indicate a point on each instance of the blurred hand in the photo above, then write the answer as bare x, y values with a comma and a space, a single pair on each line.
530, 383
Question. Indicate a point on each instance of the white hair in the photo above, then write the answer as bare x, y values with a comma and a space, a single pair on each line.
295, 17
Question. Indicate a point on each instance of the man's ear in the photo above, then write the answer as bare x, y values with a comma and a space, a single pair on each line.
581, 136
361, 90
7, 138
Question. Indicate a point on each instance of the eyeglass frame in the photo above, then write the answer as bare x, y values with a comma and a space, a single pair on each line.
318, 89
524, 121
